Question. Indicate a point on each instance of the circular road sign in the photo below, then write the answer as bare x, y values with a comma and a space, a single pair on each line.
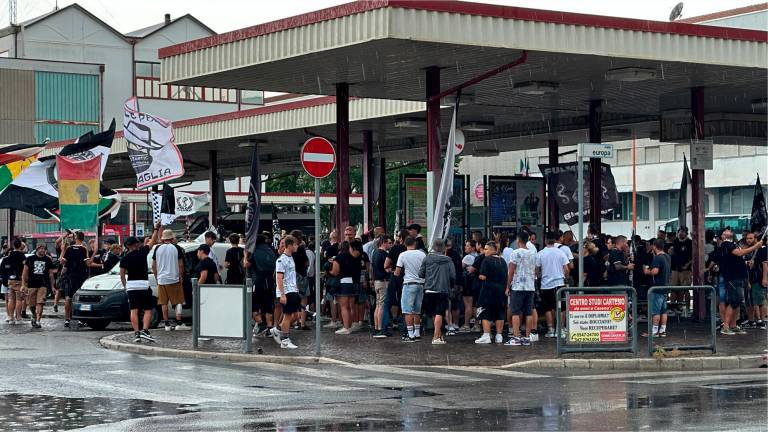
318, 157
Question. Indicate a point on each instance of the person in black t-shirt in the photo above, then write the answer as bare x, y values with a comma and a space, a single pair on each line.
381, 277
395, 286
755, 295
491, 304
11, 271
733, 270
233, 261
455, 296
761, 263
75, 272
134, 275
618, 263
207, 270
37, 277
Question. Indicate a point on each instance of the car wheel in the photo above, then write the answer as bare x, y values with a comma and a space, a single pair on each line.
97, 324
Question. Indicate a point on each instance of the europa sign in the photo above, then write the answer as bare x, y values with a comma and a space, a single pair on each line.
597, 318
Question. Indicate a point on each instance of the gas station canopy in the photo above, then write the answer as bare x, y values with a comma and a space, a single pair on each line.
642, 71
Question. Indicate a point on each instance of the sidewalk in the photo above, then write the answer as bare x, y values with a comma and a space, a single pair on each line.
361, 348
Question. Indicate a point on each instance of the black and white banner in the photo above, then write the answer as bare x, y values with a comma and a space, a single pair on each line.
151, 147
562, 182
187, 204
441, 224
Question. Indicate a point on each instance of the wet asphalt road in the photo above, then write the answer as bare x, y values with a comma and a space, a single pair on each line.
59, 379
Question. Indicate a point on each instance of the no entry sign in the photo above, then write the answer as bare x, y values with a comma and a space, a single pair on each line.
318, 157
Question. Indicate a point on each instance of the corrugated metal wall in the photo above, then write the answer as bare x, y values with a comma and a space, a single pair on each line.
66, 105
17, 106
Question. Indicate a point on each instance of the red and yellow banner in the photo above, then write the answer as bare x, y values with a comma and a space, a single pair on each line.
79, 183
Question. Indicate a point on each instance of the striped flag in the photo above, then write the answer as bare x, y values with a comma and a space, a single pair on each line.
14, 159
79, 185
441, 224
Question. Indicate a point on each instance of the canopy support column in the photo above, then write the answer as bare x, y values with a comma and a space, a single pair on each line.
595, 180
551, 202
368, 180
342, 156
697, 206
382, 198
434, 173
213, 182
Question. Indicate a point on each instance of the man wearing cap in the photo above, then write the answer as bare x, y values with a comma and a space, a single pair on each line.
415, 231
168, 268
36, 278
207, 270
134, 275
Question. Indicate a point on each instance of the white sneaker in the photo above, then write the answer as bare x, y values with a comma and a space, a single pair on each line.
550, 334
439, 341
534, 337
7, 320
484, 339
286, 343
355, 327
168, 326
275, 334
332, 325
499, 339
183, 327
343, 331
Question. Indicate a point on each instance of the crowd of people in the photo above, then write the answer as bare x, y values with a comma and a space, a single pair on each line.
504, 286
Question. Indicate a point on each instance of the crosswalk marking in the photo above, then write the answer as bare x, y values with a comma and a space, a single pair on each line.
109, 390
337, 375
735, 386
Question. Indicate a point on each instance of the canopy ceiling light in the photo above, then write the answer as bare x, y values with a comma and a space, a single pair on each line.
536, 88
477, 126
251, 143
630, 74
410, 122
465, 99
485, 153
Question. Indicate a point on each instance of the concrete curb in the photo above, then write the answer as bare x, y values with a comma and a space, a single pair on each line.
647, 364
110, 342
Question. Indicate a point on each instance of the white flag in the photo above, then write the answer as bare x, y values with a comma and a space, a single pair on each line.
151, 147
186, 204
442, 216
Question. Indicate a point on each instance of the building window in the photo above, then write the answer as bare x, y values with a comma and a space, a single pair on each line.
624, 210
148, 86
668, 204
736, 200
252, 97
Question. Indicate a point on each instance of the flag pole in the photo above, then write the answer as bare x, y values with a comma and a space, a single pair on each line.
634, 183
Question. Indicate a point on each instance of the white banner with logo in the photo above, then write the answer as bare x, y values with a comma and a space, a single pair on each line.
151, 147
186, 204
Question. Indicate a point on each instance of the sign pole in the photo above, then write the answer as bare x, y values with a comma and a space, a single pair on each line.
317, 266
580, 159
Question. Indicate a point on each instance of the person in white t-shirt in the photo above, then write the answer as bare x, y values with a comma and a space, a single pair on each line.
553, 266
470, 249
168, 267
521, 289
408, 265
287, 291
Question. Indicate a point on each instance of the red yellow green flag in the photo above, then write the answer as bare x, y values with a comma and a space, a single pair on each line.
78, 192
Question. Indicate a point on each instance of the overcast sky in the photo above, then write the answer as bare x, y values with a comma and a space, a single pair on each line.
226, 15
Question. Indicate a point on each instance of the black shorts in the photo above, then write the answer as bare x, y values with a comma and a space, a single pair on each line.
521, 302
493, 302
263, 297
548, 300
466, 289
434, 304
72, 285
141, 299
292, 303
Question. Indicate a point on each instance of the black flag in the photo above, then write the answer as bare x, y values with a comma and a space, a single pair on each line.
252, 212
759, 219
168, 203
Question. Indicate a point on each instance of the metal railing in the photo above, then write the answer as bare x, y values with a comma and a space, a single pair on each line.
632, 321
712, 326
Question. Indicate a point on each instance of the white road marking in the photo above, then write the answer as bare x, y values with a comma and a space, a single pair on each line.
696, 379
337, 375
216, 387
108, 390
415, 373
618, 376
493, 371
735, 386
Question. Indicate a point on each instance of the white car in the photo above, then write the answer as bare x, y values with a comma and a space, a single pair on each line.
102, 299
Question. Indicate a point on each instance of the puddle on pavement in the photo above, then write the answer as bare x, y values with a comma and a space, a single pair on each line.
41, 412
